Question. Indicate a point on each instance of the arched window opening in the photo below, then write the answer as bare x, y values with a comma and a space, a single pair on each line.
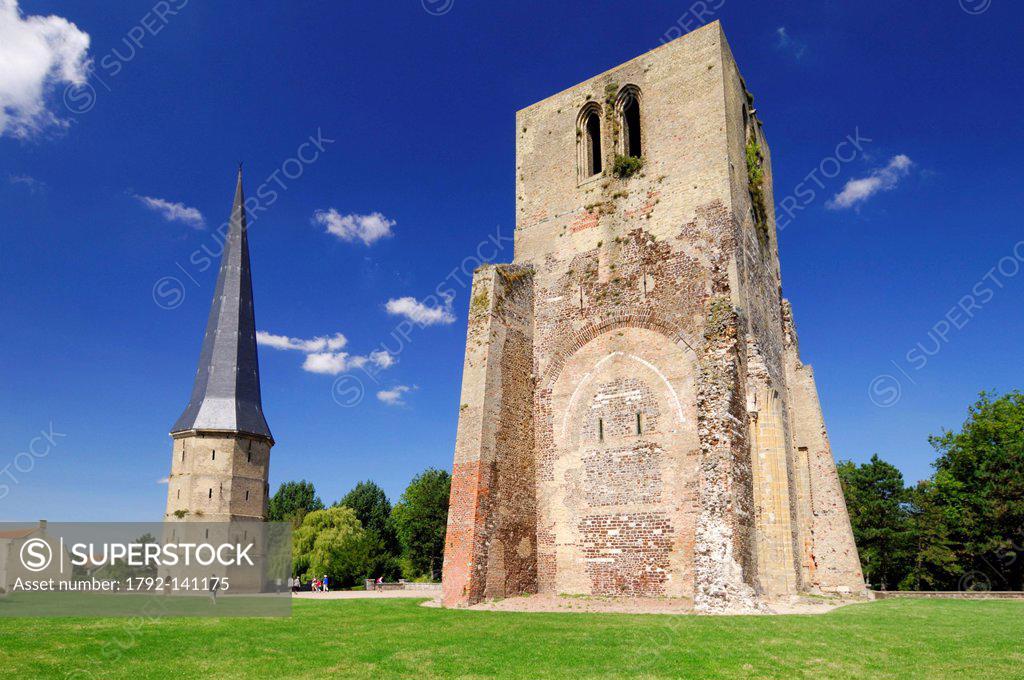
631, 126
593, 144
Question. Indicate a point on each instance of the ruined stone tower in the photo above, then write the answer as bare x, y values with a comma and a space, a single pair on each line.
635, 419
221, 454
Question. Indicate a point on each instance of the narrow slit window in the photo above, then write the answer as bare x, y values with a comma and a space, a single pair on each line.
182, 454
631, 124
210, 495
593, 133
247, 495
600, 429
214, 455
639, 423
249, 456
179, 494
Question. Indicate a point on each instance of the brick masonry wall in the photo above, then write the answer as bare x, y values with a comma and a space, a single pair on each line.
616, 498
490, 544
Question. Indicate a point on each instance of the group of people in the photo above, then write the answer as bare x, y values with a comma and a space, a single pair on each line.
318, 585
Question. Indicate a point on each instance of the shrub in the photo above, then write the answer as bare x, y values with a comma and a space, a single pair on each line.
627, 166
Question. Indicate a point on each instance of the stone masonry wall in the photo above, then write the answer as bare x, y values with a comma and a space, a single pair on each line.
829, 554
490, 548
650, 251
632, 419
218, 476
779, 524
662, 287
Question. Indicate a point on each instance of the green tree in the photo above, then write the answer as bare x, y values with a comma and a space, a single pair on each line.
373, 509
880, 516
292, 502
332, 542
979, 485
421, 518
935, 565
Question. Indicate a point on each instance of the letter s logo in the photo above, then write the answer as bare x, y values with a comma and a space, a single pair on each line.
36, 554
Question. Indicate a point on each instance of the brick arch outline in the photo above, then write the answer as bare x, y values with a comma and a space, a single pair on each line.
583, 336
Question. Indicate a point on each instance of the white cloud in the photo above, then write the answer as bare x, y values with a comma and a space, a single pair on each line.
784, 41
323, 353
365, 228
382, 359
420, 312
317, 344
880, 179
163, 480
393, 397
31, 183
36, 55
329, 363
173, 212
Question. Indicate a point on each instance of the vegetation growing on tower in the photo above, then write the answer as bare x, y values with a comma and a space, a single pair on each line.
755, 182
627, 166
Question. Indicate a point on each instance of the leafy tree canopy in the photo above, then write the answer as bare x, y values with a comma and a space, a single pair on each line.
373, 509
421, 518
979, 484
961, 529
880, 515
292, 502
333, 543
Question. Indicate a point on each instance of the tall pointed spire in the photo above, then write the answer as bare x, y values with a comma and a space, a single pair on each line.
226, 395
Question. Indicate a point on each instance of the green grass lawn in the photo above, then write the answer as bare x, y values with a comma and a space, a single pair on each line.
398, 638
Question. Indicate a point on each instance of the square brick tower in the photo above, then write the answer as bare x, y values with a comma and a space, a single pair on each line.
635, 419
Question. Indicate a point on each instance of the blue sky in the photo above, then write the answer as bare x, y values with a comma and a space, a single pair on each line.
111, 194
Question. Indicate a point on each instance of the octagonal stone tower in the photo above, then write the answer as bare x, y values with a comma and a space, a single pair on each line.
220, 460
635, 419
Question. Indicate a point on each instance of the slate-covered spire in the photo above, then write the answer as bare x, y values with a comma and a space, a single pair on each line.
226, 395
